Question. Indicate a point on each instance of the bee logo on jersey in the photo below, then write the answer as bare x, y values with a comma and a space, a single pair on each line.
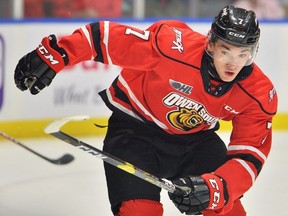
185, 119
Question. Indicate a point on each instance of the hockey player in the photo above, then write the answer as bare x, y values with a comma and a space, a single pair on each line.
175, 86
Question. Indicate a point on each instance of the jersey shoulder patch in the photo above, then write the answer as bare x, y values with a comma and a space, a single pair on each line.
259, 87
180, 43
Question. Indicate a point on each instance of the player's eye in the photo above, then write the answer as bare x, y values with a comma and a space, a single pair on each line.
242, 55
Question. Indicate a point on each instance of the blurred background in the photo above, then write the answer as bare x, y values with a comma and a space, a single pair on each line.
135, 8
23, 23
30, 186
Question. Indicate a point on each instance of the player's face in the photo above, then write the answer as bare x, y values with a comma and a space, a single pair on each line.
229, 59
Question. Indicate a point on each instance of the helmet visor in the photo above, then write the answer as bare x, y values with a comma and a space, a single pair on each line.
230, 53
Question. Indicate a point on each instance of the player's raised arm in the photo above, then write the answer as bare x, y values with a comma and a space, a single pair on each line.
105, 42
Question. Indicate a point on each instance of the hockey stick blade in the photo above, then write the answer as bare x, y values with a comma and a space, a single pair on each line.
55, 126
54, 129
65, 159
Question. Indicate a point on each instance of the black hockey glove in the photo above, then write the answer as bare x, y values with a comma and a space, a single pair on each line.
37, 69
206, 192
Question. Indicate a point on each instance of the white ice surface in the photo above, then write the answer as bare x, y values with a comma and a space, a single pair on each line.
30, 186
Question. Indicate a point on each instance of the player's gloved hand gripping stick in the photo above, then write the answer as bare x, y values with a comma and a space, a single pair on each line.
207, 191
191, 195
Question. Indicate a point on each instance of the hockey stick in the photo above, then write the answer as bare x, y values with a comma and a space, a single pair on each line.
54, 129
65, 159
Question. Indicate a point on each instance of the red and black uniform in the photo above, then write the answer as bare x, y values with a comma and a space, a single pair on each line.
165, 84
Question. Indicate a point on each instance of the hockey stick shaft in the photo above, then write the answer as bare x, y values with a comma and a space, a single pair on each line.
65, 159
54, 130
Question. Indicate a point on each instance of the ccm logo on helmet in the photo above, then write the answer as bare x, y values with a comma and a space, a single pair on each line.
47, 55
216, 193
236, 35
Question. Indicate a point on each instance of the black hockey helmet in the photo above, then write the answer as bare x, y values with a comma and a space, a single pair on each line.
237, 26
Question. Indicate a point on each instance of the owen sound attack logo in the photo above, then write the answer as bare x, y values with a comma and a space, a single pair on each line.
189, 113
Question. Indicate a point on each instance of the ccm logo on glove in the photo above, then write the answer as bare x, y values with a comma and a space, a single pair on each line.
47, 55
53, 55
216, 193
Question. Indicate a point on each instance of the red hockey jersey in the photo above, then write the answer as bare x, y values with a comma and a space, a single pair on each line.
165, 82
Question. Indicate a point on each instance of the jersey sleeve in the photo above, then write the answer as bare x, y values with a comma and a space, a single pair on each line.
250, 144
127, 46
112, 43
118, 44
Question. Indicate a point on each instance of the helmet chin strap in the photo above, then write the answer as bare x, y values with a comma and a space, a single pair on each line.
212, 70
210, 66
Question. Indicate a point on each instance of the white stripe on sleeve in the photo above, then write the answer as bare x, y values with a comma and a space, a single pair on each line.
248, 168
87, 35
106, 40
249, 148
